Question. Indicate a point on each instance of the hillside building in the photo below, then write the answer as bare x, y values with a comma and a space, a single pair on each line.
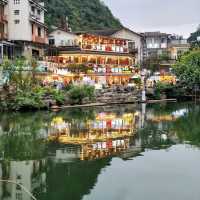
6, 48
155, 43
22, 29
26, 27
103, 59
135, 40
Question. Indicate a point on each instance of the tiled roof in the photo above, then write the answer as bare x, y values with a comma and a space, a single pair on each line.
155, 34
106, 32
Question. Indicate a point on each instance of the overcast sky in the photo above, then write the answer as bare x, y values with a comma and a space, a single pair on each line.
173, 16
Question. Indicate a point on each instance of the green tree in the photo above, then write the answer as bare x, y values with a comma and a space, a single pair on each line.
193, 39
82, 14
187, 69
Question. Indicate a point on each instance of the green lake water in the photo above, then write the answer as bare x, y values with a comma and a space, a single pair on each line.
127, 152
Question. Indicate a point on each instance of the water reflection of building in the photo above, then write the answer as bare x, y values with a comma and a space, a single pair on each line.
104, 126
107, 134
30, 174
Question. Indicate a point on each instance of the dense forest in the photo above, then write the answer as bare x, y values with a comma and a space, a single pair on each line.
82, 14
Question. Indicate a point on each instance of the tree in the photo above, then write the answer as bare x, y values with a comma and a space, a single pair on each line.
193, 39
82, 14
187, 69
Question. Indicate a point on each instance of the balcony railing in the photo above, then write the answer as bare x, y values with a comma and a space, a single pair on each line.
38, 39
35, 17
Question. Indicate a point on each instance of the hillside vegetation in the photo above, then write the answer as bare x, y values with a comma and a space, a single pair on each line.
82, 14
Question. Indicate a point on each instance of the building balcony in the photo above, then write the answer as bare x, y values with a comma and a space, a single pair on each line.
35, 17
37, 4
37, 39
133, 50
3, 36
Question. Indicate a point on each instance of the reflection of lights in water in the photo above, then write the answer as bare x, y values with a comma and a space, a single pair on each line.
104, 116
104, 149
170, 117
105, 126
180, 113
107, 135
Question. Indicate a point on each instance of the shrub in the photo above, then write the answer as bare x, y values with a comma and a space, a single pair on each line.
160, 88
170, 90
78, 93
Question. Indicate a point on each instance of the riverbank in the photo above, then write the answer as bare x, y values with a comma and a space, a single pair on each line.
47, 98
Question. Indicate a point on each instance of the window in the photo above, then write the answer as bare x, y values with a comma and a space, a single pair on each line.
39, 32
19, 196
51, 42
32, 9
16, 21
16, 1
32, 27
16, 12
38, 12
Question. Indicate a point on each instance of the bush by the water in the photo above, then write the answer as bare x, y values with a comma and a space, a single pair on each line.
168, 90
22, 90
78, 93
34, 98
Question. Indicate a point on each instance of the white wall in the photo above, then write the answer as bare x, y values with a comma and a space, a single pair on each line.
125, 34
21, 31
63, 38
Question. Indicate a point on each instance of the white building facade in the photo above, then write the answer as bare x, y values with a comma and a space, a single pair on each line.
23, 26
62, 38
135, 39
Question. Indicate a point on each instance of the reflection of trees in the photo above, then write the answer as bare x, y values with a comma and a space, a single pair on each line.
21, 147
20, 137
187, 127
151, 138
166, 108
72, 180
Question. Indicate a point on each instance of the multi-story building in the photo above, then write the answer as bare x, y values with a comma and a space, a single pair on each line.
177, 47
3, 20
161, 50
135, 40
6, 48
22, 28
26, 26
60, 37
103, 59
155, 43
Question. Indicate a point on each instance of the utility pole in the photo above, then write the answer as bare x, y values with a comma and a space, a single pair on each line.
143, 76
